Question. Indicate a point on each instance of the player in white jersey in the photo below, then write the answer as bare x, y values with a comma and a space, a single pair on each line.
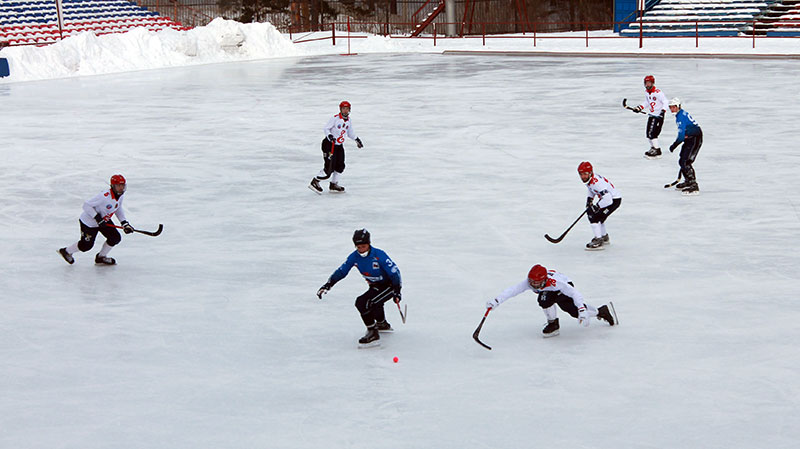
339, 126
655, 104
96, 217
610, 200
554, 289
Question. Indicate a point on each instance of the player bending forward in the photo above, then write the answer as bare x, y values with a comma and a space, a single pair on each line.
656, 107
554, 289
335, 130
690, 134
610, 200
383, 278
96, 217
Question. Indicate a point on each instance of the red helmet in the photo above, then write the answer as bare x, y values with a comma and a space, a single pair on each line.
117, 179
537, 276
652, 79
344, 104
585, 167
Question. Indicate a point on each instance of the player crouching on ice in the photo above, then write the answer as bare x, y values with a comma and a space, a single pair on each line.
96, 217
610, 200
554, 289
383, 278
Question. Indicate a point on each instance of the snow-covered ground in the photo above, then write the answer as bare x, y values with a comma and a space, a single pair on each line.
226, 41
210, 335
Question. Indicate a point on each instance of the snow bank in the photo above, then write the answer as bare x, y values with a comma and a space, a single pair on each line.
139, 49
226, 40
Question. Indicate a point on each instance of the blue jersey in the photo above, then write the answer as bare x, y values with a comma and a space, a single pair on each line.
376, 267
686, 126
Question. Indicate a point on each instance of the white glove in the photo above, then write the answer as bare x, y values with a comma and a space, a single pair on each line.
492, 303
583, 317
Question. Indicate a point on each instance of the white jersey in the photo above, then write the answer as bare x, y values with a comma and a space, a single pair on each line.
556, 282
602, 187
105, 204
655, 102
340, 127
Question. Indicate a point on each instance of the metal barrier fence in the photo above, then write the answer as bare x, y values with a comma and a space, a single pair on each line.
531, 30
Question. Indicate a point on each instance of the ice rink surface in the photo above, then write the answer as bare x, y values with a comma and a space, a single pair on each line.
210, 335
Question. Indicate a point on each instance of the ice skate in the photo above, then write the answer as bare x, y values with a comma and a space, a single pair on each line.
682, 185
691, 189
606, 240
605, 315
653, 153
103, 260
315, 187
370, 339
551, 330
595, 245
384, 326
63, 251
335, 188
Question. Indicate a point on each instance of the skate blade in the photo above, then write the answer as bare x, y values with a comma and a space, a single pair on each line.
387, 331
551, 334
599, 248
335, 191
613, 313
314, 190
371, 344
652, 157
684, 193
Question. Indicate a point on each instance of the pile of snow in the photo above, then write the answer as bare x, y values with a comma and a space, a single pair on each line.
87, 54
226, 40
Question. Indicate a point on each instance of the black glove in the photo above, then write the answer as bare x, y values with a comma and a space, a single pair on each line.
324, 289
673, 146
397, 296
638, 108
126, 227
100, 221
330, 137
589, 202
594, 208
359, 143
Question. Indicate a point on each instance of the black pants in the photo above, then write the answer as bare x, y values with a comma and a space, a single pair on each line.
689, 150
333, 157
603, 213
89, 234
547, 299
654, 125
370, 304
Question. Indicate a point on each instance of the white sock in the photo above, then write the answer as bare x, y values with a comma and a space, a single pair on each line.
335, 177
104, 251
551, 313
603, 229
596, 230
72, 249
321, 175
654, 143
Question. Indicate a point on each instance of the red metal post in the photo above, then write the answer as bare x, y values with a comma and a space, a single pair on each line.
587, 35
483, 33
534, 34
333, 33
434, 34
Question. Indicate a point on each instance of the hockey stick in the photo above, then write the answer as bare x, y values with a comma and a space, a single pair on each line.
561, 237
666, 186
403, 315
478, 331
625, 105
150, 233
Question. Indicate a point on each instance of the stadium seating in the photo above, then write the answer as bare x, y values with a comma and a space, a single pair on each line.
704, 17
35, 22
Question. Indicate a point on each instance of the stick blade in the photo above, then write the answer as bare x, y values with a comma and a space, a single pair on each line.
624, 102
475, 337
152, 233
552, 240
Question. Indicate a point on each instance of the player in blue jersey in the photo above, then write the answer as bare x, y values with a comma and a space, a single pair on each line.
383, 278
690, 134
